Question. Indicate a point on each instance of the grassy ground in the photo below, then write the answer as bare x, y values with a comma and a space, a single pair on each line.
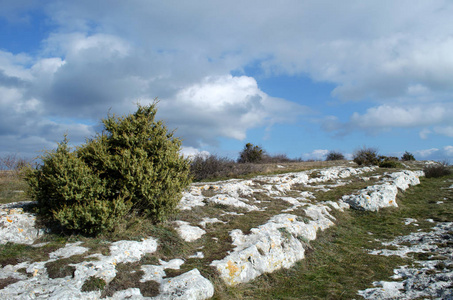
12, 187
337, 264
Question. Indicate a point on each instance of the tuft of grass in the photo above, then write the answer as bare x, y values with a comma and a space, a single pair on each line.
62, 267
93, 284
128, 276
12, 254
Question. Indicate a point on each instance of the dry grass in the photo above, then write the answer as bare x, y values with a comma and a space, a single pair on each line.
12, 187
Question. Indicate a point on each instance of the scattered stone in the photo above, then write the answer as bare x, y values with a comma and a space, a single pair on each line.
210, 221
174, 264
188, 286
409, 221
199, 254
434, 277
187, 232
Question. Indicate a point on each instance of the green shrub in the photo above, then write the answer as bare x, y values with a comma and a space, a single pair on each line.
437, 170
390, 163
333, 155
366, 156
251, 154
134, 164
408, 156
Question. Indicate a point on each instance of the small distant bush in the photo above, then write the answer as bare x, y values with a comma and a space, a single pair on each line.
366, 156
251, 154
209, 167
133, 165
390, 163
437, 170
333, 155
408, 156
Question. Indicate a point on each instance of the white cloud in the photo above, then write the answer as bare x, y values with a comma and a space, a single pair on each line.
447, 130
445, 153
426, 152
386, 116
319, 154
424, 133
192, 152
225, 106
449, 151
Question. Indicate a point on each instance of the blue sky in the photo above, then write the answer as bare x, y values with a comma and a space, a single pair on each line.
296, 77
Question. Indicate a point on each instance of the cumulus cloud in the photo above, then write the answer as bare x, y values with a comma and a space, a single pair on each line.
225, 106
388, 116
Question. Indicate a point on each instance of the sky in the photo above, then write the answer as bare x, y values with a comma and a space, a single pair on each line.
295, 77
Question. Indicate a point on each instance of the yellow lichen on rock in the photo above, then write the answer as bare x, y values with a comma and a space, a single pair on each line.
232, 267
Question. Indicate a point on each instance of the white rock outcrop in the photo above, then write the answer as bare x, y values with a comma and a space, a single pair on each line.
384, 195
277, 244
16, 226
188, 286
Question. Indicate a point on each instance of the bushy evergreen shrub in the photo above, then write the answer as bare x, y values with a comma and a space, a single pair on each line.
407, 156
134, 164
333, 155
251, 154
366, 156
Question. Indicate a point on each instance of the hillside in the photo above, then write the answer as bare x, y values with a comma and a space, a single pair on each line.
313, 231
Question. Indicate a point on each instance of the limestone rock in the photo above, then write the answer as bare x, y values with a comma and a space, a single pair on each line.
187, 232
373, 197
188, 286
17, 226
277, 244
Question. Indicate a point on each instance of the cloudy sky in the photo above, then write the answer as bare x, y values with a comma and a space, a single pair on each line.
293, 76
